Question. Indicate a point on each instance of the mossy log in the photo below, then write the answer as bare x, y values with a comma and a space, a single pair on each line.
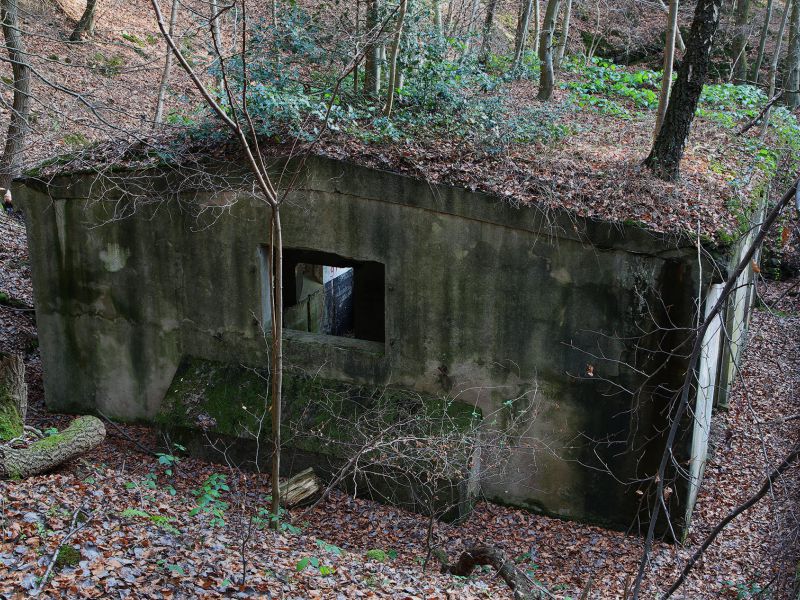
83, 434
13, 397
301, 489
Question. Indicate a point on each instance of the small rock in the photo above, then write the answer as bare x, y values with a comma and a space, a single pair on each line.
31, 517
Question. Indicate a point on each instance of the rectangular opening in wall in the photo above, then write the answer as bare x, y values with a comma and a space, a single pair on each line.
328, 294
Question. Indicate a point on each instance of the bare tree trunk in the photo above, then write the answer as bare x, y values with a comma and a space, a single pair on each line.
393, 77
669, 59
523, 24
276, 259
215, 25
356, 49
372, 66
762, 43
13, 397
162, 89
547, 77
85, 26
243, 128
792, 77
562, 43
773, 67
681, 45
740, 40
488, 24
437, 17
537, 26
473, 18
83, 434
665, 157
11, 161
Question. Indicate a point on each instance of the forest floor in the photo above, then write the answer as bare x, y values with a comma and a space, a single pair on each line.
142, 540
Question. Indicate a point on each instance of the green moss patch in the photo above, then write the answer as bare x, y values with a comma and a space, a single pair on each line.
376, 554
229, 399
67, 557
10, 420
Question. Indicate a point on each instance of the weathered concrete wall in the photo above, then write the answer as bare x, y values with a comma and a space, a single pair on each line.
483, 301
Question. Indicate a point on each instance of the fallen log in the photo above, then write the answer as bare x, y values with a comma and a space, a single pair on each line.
83, 434
301, 489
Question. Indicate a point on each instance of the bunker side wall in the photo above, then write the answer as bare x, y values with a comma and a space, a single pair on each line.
482, 302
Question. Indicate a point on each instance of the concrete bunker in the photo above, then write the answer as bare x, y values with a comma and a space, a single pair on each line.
431, 291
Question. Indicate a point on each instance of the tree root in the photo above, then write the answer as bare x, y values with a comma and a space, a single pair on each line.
478, 555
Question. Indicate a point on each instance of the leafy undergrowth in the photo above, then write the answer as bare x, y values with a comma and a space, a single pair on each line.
453, 122
162, 526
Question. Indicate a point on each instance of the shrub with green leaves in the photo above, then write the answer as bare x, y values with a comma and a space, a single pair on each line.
294, 90
209, 499
605, 79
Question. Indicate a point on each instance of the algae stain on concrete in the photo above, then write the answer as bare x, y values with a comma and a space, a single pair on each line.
562, 276
61, 231
114, 257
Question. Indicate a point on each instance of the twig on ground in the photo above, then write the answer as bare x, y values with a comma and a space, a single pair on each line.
122, 432
74, 528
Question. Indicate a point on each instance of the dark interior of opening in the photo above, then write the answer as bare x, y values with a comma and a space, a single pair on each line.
331, 295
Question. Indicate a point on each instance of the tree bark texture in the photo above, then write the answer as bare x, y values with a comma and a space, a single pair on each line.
438, 24
83, 434
665, 157
669, 60
13, 397
773, 67
792, 77
564, 39
762, 43
742, 26
547, 77
537, 26
394, 80
85, 26
162, 88
11, 161
679, 40
372, 66
523, 25
488, 26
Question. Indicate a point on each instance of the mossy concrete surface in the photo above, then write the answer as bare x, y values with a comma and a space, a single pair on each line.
229, 403
485, 302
